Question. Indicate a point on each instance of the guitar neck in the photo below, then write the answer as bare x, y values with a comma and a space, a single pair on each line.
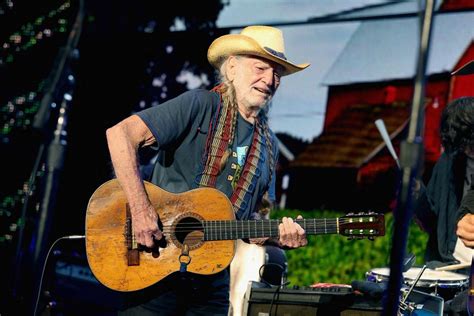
232, 229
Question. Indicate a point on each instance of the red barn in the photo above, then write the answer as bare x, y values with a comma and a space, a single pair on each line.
348, 166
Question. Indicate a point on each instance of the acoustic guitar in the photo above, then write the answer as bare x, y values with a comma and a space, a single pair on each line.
199, 229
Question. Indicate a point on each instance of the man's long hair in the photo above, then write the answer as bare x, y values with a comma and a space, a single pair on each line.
457, 125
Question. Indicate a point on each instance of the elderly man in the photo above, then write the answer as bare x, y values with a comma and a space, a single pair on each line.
218, 138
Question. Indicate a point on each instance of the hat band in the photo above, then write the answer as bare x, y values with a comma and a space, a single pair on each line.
275, 53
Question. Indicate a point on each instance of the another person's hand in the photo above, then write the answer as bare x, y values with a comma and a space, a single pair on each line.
465, 230
145, 226
292, 235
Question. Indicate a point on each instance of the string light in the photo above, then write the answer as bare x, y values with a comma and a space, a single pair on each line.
18, 111
10, 203
32, 33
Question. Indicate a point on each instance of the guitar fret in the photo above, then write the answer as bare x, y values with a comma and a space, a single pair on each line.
325, 227
215, 230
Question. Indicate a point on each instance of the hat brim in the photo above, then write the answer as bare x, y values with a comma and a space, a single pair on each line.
237, 44
466, 69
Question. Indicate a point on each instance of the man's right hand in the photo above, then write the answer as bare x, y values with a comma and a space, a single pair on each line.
145, 226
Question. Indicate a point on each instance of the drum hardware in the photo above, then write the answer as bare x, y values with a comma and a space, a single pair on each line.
408, 262
410, 307
421, 303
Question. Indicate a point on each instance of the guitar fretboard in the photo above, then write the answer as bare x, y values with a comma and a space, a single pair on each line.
232, 229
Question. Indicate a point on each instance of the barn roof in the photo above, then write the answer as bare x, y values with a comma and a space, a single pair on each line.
355, 138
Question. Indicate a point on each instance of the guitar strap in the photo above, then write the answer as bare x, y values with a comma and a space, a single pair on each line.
219, 139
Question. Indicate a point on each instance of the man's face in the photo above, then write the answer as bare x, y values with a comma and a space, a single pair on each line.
255, 80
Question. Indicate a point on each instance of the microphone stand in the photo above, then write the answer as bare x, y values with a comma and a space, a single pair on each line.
410, 161
51, 153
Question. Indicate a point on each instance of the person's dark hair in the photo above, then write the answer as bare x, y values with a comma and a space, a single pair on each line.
457, 125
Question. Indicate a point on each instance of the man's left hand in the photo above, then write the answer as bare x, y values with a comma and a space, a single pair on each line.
292, 235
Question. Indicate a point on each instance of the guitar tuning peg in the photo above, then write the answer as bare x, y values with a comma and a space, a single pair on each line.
371, 238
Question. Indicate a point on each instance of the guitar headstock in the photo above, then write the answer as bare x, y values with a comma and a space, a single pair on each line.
362, 225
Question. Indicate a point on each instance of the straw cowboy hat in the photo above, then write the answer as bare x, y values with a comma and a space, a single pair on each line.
256, 40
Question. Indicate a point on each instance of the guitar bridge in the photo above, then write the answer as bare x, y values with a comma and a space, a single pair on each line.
133, 254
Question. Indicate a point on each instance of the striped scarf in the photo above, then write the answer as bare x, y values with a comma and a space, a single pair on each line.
219, 138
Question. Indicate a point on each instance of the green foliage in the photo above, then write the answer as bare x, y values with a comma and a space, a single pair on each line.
336, 259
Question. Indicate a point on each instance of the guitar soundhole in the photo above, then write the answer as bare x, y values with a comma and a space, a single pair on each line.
189, 230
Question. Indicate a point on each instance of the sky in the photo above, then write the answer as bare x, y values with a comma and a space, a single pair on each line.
299, 104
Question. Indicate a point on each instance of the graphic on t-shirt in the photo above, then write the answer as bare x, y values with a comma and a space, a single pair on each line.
241, 154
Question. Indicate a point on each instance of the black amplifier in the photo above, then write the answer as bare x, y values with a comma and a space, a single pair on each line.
303, 301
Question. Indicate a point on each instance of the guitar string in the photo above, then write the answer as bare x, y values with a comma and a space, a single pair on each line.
238, 229
258, 224
222, 225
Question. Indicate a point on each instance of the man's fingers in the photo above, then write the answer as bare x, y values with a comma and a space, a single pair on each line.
291, 233
158, 235
468, 243
149, 241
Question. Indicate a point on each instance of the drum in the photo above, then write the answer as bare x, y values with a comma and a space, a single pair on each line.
443, 283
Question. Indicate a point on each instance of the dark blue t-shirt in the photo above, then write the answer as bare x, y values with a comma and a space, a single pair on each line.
180, 127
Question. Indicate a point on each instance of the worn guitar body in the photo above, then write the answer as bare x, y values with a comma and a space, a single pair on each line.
199, 230
106, 241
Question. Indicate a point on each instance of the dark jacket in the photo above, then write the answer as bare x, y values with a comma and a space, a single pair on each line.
437, 208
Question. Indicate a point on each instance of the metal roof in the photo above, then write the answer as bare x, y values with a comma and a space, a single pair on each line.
384, 50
